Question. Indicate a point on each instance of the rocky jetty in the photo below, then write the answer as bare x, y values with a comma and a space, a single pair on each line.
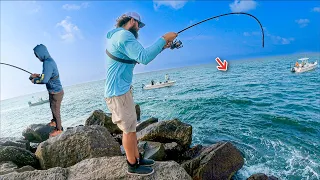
94, 151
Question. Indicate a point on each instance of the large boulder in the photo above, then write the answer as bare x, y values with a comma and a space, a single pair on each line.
173, 151
258, 176
146, 123
190, 153
138, 111
14, 141
261, 176
8, 167
167, 151
37, 133
33, 147
118, 138
116, 168
153, 150
167, 132
219, 161
104, 168
19, 156
57, 173
98, 117
75, 145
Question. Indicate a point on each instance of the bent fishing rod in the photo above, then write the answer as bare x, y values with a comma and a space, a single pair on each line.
16, 67
178, 44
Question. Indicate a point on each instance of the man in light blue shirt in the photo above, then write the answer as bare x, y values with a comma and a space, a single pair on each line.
124, 52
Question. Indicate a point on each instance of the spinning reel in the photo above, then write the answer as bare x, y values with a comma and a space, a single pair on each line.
176, 44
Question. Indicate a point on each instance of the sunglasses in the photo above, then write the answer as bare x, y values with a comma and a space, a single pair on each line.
139, 23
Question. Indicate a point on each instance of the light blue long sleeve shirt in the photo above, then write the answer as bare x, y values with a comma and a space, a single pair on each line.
122, 43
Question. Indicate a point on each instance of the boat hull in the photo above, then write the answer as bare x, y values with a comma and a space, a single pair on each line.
38, 103
309, 67
156, 86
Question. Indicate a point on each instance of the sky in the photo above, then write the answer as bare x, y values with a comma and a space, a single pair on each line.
75, 35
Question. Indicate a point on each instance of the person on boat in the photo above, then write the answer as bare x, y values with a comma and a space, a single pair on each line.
152, 82
50, 77
123, 46
167, 78
297, 64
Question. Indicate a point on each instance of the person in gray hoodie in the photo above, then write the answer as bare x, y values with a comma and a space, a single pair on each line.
50, 77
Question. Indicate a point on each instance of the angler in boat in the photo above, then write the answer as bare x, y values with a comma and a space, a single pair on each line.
41, 101
153, 85
304, 66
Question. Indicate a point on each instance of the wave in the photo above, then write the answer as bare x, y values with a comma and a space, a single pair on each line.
283, 120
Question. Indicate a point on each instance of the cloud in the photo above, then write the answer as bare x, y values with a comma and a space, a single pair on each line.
31, 6
252, 33
198, 37
281, 40
274, 38
36, 9
46, 34
174, 4
278, 39
246, 34
71, 7
70, 31
303, 22
316, 9
242, 5
191, 22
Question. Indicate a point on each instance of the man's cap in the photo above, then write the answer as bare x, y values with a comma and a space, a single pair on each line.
135, 16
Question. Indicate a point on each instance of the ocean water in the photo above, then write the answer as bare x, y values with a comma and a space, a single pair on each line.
269, 113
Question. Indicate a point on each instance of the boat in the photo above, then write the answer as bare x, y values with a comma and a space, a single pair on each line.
159, 85
41, 101
304, 65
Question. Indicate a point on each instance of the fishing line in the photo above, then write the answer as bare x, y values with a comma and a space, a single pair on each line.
16, 67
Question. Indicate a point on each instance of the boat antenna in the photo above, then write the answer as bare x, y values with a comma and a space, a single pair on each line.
16, 67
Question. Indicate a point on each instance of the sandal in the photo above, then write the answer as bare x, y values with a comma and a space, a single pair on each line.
52, 123
55, 132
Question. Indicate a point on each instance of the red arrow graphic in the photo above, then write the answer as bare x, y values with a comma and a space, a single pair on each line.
222, 66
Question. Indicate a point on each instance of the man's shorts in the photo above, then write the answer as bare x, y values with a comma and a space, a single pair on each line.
123, 112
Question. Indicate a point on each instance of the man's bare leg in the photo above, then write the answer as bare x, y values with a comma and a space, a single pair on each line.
129, 142
137, 155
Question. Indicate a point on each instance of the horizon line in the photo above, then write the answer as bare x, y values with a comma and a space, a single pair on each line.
184, 66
